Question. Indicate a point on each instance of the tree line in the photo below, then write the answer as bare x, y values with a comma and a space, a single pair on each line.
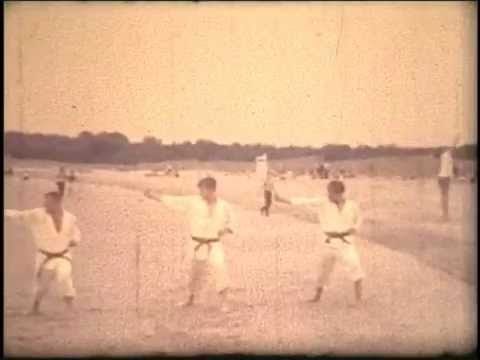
116, 148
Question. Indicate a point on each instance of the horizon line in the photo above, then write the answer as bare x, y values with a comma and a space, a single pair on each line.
193, 142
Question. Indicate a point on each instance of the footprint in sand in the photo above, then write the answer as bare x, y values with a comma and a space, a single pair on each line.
93, 309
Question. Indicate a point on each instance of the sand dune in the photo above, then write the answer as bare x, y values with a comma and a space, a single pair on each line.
411, 306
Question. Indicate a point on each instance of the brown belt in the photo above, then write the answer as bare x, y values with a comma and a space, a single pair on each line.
340, 236
204, 242
51, 256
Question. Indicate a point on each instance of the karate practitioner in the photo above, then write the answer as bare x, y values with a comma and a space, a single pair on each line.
55, 232
340, 220
210, 220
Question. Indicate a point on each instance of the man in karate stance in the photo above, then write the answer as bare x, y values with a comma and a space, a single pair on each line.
54, 231
210, 220
340, 220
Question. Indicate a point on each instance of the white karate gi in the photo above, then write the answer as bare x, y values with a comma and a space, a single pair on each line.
205, 223
332, 219
48, 239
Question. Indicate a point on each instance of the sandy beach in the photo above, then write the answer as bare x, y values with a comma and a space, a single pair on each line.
120, 96
420, 290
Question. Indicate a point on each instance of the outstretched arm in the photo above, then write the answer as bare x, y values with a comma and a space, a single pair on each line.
13, 214
180, 203
282, 199
300, 200
24, 215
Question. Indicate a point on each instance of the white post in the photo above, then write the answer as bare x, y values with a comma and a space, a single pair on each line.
261, 169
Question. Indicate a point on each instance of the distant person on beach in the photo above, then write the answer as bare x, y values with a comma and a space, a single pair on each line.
268, 190
54, 232
445, 174
173, 172
340, 220
72, 177
168, 170
9, 171
210, 220
326, 167
322, 171
61, 180
26, 175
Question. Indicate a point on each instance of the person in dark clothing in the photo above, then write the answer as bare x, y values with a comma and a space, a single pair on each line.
72, 177
268, 190
61, 180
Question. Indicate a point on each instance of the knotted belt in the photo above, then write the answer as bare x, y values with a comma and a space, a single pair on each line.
340, 236
51, 256
204, 242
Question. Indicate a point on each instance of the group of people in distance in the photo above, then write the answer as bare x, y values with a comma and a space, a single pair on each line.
63, 178
11, 172
321, 171
211, 220
169, 171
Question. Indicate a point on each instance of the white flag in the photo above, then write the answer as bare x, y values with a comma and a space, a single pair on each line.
261, 169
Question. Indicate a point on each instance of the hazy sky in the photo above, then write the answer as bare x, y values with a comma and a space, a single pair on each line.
274, 73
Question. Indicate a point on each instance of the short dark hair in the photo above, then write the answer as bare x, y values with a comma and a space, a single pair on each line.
208, 183
55, 195
336, 186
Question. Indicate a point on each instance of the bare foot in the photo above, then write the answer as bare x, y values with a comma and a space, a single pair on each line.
69, 303
186, 304
316, 298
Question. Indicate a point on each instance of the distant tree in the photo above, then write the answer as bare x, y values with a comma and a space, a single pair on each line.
152, 140
115, 147
85, 135
468, 151
105, 145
